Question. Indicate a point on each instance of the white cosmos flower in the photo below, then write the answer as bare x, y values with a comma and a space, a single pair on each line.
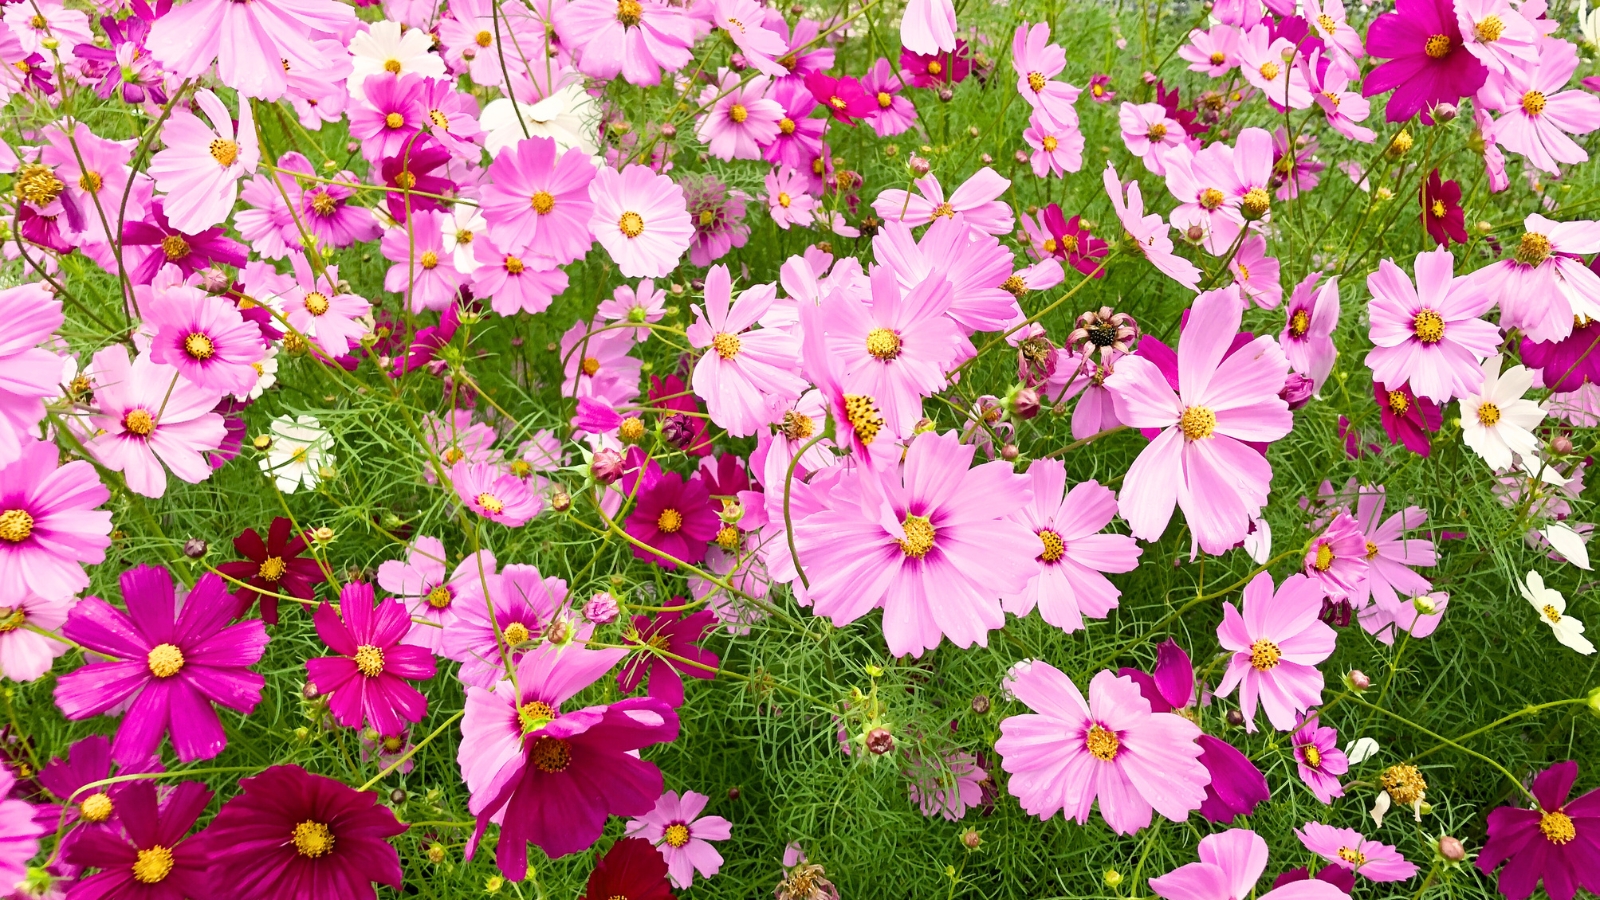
384, 48
1552, 608
1497, 423
463, 225
569, 116
301, 452
266, 375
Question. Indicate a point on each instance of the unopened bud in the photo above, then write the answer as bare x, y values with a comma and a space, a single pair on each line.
669, 131
678, 430
918, 165
880, 741
194, 548
980, 704
972, 131
733, 793
1561, 444
1445, 112
606, 466
984, 158
1287, 53
1297, 390
436, 853
1021, 157
1112, 878
946, 95
561, 501
1451, 849
1594, 701
1235, 718
1424, 604
1026, 403
601, 609
1194, 234
397, 796
970, 839
1010, 452
1357, 680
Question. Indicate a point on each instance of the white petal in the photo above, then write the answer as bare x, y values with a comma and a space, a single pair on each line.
1568, 543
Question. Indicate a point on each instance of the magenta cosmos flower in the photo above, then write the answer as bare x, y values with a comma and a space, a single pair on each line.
682, 835
291, 835
1309, 320
1071, 750
19, 831
897, 347
49, 526
934, 546
1277, 644
1200, 460
366, 682
85, 809
1407, 419
205, 338
551, 777
494, 629
1067, 583
641, 218
494, 493
677, 634
741, 372
675, 517
151, 856
1231, 862
1429, 336
1319, 760
168, 667
1428, 63
636, 40
264, 40
149, 415
538, 202
1337, 558
1347, 847
1555, 842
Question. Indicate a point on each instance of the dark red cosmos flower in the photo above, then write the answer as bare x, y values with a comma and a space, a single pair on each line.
275, 565
1558, 842
151, 855
1569, 362
1441, 210
677, 636
1428, 63
291, 835
630, 870
1074, 243
675, 517
1407, 418
844, 98
1341, 877
938, 69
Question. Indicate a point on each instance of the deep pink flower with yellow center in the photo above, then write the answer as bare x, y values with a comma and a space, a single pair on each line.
1558, 842
366, 682
674, 516
1337, 559
1276, 645
1428, 63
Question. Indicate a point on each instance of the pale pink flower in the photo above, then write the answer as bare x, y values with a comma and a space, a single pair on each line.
1276, 644
597, 364
49, 526
1256, 274
201, 166
1149, 233
1067, 583
1337, 558
26, 653
494, 494
945, 786
1429, 335
424, 272
537, 203
641, 218
682, 834
1231, 862
1200, 461
1536, 114
1206, 185
421, 583
1214, 53
206, 338
741, 372
787, 199
975, 263
149, 414
1498, 35
740, 119
1542, 287
1373, 860
28, 373
1057, 148
744, 21
1307, 336
1149, 133
1330, 88
260, 37
1342, 40
1070, 751
929, 27
1390, 555
316, 309
39, 20
514, 283
637, 42
1037, 62
1261, 61
637, 305
977, 199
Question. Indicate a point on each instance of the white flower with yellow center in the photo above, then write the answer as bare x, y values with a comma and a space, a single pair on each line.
301, 453
1497, 423
1552, 608
387, 47
568, 116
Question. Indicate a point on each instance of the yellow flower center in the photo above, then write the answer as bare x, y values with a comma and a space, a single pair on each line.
440, 597
1197, 422
629, 12
392, 66
1218, 59
1312, 754
784, 199
1438, 46
550, 755
1102, 743
1269, 70
38, 184
883, 343
1439, 209
516, 633
1324, 560
534, 714
369, 660
590, 365
865, 420
484, 39
631, 223
1211, 198
1355, 857
1533, 103
439, 119
935, 67
1490, 29
1050, 245
726, 345
316, 303
394, 120
1299, 323
796, 427
430, 259
272, 568
1532, 249
885, 99
1264, 655
1015, 285
16, 525
514, 266
738, 113
164, 660
1551, 614
1049, 143
1035, 81
1157, 131
786, 125
1488, 415
96, 807
175, 247
224, 152
1428, 326
12, 618
405, 180
1329, 26
1372, 549
1399, 403
199, 346
312, 839
836, 102
322, 204
1054, 547
1404, 783
1557, 827
727, 537
91, 182
631, 430
139, 422
153, 865
919, 536
491, 503
1256, 203
677, 835
670, 520
543, 202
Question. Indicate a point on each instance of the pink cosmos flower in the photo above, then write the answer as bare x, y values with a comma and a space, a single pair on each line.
1276, 646
1213, 52
1330, 88
1337, 559
538, 201
741, 372
1206, 187
896, 114
48, 523
1498, 35
895, 348
200, 168
1261, 61
249, 42
682, 835
901, 540
501, 617
978, 199
929, 26
26, 655
1418, 617
315, 309
471, 38
740, 119
637, 42
94, 171
1231, 862
366, 681
423, 271
494, 494
745, 23
1319, 760
1341, 41
1256, 274
597, 364
1536, 114
1390, 555
1071, 750
421, 583
1428, 62
1200, 461
205, 338
1149, 133
975, 264
1067, 583
1307, 336
787, 200
843, 98
150, 414
28, 373
1057, 148
945, 786
551, 777
640, 217
1429, 336
1543, 287
1149, 233
20, 830
1036, 62
514, 284
798, 142
1348, 848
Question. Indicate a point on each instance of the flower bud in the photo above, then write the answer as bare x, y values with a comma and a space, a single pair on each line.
1025, 405
1451, 849
918, 165
606, 466
970, 839
1444, 112
1297, 390
601, 609
1235, 718
669, 131
1594, 701
1561, 444
984, 158
946, 95
1112, 878
678, 430
561, 501
1010, 452
880, 741
733, 793
194, 548
436, 852
1357, 680
980, 704
1424, 604
397, 796
1287, 54
1194, 234
1022, 157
